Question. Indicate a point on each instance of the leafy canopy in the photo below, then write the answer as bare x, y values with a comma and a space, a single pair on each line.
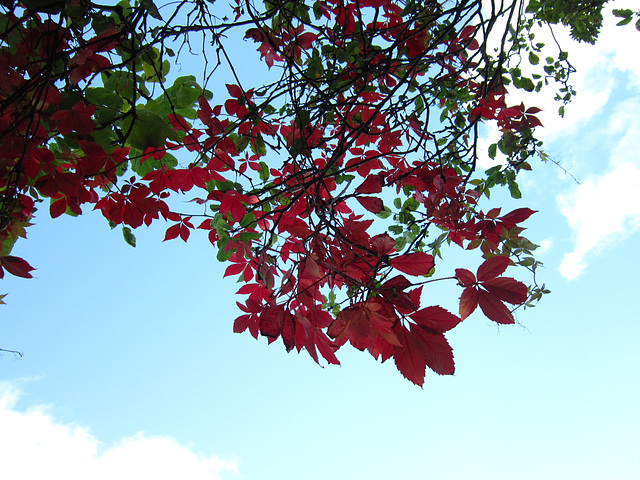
332, 184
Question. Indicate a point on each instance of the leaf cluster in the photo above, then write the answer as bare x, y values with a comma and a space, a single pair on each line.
332, 187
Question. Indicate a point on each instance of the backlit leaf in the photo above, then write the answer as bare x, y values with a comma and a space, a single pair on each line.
507, 290
373, 204
468, 302
418, 263
410, 357
435, 318
493, 267
16, 266
494, 309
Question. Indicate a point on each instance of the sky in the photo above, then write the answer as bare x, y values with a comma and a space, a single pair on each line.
131, 369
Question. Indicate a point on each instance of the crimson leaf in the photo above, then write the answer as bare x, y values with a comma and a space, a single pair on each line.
373, 204
418, 263
493, 267
16, 266
507, 290
436, 319
494, 309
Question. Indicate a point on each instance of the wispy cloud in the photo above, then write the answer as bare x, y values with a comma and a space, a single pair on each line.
604, 209
33, 446
601, 212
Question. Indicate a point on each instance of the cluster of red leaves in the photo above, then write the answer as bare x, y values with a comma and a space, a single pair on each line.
514, 118
26, 123
293, 246
488, 290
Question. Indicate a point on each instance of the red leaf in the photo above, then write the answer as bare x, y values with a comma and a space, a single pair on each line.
468, 302
507, 290
383, 244
400, 300
373, 204
465, 277
241, 323
436, 318
437, 351
534, 121
493, 267
467, 32
234, 269
272, 321
418, 263
372, 184
410, 358
420, 349
184, 232
517, 216
399, 282
352, 324
235, 91
289, 331
306, 39
16, 266
415, 295
312, 268
232, 204
493, 308
326, 347
172, 232
58, 207
248, 288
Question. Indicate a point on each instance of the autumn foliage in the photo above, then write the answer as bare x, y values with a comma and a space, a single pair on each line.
332, 189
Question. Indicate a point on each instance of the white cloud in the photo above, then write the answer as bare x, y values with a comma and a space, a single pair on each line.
544, 247
34, 446
601, 211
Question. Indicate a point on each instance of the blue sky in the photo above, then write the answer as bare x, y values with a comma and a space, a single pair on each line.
131, 369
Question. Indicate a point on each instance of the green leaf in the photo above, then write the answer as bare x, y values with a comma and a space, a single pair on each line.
156, 72
223, 254
527, 261
129, 237
622, 12
386, 213
624, 21
152, 9
248, 220
248, 237
185, 91
493, 150
514, 189
264, 171
149, 129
